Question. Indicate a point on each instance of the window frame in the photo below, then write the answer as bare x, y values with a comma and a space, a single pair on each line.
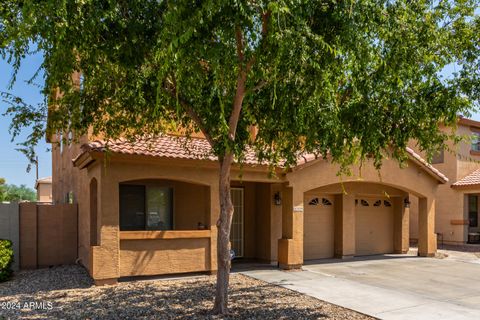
474, 213
439, 157
146, 185
475, 144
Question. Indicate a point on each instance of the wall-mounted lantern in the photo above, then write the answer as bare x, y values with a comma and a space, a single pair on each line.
406, 203
277, 199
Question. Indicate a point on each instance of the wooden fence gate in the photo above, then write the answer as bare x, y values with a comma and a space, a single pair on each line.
48, 235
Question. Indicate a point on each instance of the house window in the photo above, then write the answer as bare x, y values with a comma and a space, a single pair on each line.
475, 141
326, 202
472, 210
438, 157
145, 208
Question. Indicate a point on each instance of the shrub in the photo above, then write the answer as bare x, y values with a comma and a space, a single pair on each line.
6, 259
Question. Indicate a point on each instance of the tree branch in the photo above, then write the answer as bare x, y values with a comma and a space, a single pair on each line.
257, 87
240, 44
172, 90
241, 80
265, 19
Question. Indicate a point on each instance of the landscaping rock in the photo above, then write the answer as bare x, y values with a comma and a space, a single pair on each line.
68, 293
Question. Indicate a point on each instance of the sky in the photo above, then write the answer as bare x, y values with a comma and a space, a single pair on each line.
13, 164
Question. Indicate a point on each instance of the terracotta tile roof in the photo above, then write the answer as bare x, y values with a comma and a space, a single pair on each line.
174, 147
473, 179
178, 147
434, 171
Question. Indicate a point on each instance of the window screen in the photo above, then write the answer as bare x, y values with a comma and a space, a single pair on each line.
159, 208
472, 210
132, 207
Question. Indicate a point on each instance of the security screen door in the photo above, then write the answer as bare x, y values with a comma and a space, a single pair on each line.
236, 233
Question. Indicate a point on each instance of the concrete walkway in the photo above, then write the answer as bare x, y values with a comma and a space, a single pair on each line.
390, 286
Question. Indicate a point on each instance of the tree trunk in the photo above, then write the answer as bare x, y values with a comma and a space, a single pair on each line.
223, 240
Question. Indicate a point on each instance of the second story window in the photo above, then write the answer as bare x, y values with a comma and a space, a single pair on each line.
438, 157
476, 141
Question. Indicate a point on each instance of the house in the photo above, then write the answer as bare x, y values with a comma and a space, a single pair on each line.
150, 207
457, 200
44, 189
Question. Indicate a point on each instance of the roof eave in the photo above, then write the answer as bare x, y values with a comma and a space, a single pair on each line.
83, 160
440, 179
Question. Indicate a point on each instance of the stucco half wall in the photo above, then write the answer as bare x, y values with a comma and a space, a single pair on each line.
413, 179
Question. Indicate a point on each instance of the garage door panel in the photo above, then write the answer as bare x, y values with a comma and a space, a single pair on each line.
374, 226
318, 227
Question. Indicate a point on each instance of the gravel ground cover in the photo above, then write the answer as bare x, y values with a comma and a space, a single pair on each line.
67, 293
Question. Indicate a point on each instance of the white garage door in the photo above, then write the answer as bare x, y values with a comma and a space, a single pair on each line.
373, 226
318, 231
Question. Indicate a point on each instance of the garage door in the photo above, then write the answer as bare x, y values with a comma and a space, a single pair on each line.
318, 231
373, 226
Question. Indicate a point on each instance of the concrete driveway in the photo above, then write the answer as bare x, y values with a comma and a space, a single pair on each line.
390, 286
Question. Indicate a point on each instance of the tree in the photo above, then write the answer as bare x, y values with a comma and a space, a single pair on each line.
11, 192
19, 193
2, 189
348, 80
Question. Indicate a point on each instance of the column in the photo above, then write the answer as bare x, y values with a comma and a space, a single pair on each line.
344, 226
290, 247
401, 225
427, 240
105, 258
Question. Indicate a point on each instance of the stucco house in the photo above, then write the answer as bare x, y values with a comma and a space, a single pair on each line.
44, 189
150, 207
457, 200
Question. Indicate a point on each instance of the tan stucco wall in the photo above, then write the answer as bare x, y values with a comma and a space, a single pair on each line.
450, 211
44, 192
151, 257
466, 162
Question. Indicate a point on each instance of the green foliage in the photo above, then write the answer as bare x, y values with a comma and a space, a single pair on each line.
11, 192
6, 259
353, 79
2, 189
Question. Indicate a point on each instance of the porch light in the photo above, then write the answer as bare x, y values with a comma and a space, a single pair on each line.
406, 202
277, 199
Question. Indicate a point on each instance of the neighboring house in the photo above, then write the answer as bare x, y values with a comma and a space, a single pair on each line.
44, 189
150, 207
458, 200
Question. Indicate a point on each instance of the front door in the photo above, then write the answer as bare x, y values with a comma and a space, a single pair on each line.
236, 233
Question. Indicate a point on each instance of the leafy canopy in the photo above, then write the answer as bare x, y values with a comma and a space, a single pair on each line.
11, 192
354, 79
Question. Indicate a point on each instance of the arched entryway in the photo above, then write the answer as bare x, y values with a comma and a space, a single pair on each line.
418, 179
353, 218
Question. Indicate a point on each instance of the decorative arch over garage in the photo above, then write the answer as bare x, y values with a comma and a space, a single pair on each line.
320, 176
